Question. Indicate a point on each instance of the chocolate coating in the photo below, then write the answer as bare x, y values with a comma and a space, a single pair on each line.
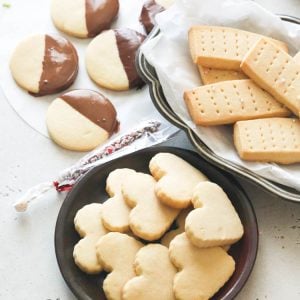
149, 11
60, 66
128, 42
99, 14
95, 107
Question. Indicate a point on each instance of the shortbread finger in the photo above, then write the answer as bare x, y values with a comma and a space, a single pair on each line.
222, 47
276, 72
269, 140
209, 75
296, 57
231, 101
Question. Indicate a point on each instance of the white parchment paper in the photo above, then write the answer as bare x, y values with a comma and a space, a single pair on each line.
169, 54
28, 17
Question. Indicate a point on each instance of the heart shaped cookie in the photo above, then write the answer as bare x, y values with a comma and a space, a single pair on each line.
176, 179
202, 271
150, 263
214, 221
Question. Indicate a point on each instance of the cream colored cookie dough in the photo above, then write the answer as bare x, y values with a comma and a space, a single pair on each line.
89, 226
69, 17
26, 63
214, 221
165, 3
116, 252
149, 218
180, 222
103, 62
176, 179
115, 211
71, 130
155, 274
202, 271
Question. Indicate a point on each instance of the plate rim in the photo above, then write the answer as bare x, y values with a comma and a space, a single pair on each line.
239, 190
148, 74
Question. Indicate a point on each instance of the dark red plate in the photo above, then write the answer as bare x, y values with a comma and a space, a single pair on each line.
91, 188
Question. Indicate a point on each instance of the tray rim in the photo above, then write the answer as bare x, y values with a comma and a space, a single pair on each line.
148, 74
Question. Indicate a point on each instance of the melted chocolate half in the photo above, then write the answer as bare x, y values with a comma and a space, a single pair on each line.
60, 66
99, 14
128, 42
95, 107
149, 11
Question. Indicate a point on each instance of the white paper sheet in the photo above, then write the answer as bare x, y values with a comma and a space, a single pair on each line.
169, 54
28, 17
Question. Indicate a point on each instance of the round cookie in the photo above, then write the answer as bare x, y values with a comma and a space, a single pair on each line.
150, 9
44, 64
80, 120
110, 59
83, 18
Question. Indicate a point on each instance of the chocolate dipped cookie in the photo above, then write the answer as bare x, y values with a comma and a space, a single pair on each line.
80, 120
110, 59
150, 9
44, 64
83, 18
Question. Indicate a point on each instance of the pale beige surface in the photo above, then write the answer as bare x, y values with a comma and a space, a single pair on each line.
88, 224
116, 252
69, 17
71, 130
209, 75
155, 274
26, 63
214, 221
271, 140
202, 271
231, 101
149, 218
176, 179
115, 211
31, 153
103, 63
180, 223
276, 72
222, 47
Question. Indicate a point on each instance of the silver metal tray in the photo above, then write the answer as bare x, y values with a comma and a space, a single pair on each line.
147, 72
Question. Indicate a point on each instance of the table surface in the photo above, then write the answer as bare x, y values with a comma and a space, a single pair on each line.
28, 268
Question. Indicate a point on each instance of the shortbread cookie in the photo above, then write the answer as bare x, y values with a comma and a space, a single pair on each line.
110, 59
149, 218
150, 9
209, 75
116, 252
268, 140
222, 47
214, 221
81, 120
44, 64
89, 226
83, 18
296, 58
180, 223
176, 179
202, 271
231, 101
276, 72
155, 274
115, 212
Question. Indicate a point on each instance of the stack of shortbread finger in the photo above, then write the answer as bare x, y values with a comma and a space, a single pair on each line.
252, 82
131, 237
